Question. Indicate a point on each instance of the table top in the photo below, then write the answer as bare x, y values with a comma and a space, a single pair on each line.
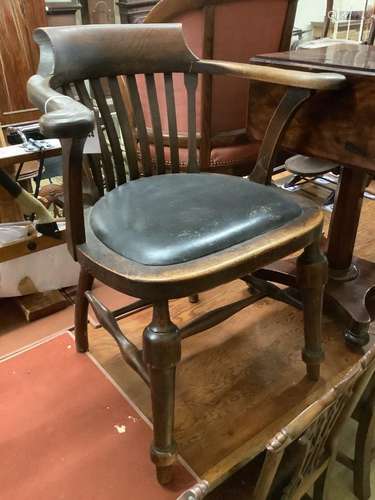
238, 384
9, 155
346, 58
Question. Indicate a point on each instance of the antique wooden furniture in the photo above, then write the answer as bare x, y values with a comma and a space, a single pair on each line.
18, 56
97, 11
309, 168
223, 30
339, 139
314, 438
134, 11
62, 13
358, 30
169, 235
237, 387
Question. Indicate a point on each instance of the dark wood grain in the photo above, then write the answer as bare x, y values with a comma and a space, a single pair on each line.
18, 57
172, 121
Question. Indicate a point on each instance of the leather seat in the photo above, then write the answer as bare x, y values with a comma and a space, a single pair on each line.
143, 220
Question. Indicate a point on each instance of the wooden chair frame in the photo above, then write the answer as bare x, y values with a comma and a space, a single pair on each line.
165, 11
317, 431
300, 457
73, 55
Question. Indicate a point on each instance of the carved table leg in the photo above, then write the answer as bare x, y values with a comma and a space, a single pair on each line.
351, 283
341, 240
311, 279
162, 352
80, 312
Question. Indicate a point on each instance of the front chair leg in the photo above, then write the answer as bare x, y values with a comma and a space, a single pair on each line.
80, 312
312, 274
162, 352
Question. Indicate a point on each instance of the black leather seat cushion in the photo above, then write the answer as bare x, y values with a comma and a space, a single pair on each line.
175, 218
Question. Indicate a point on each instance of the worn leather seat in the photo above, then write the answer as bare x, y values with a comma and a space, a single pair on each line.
144, 220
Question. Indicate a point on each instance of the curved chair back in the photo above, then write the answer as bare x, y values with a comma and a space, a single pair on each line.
77, 64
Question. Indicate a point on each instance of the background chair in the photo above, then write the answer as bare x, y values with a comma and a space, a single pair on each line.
301, 457
228, 30
165, 236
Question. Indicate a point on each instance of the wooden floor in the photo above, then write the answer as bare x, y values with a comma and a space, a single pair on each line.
235, 385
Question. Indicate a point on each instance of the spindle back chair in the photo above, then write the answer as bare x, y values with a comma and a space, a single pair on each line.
165, 234
310, 442
367, 22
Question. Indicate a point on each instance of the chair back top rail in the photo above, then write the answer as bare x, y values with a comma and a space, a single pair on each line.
72, 53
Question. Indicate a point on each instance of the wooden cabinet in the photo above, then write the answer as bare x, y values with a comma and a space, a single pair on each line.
134, 11
19, 57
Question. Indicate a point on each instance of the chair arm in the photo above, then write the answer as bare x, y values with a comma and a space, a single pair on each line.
63, 116
290, 78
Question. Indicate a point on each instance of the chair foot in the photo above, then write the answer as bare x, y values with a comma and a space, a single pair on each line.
193, 299
312, 273
80, 312
164, 474
162, 352
320, 486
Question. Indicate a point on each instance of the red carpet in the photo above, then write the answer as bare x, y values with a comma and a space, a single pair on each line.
16, 332
59, 439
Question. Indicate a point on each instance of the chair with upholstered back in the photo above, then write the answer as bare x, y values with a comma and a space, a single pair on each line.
155, 233
228, 30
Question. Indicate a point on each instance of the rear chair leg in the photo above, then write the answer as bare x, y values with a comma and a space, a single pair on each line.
80, 312
162, 352
312, 274
364, 452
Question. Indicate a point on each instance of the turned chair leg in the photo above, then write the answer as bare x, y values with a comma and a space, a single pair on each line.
80, 312
311, 277
364, 452
162, 352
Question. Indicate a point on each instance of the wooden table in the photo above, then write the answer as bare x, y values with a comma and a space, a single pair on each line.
337, 126
237, 385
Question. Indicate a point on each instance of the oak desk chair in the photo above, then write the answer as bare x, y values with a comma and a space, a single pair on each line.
169, 235
227, 30
302, 455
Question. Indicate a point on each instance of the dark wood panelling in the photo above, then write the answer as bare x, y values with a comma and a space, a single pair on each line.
18, 56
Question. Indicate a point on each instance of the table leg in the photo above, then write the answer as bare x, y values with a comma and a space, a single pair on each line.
351, 280
344, 223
